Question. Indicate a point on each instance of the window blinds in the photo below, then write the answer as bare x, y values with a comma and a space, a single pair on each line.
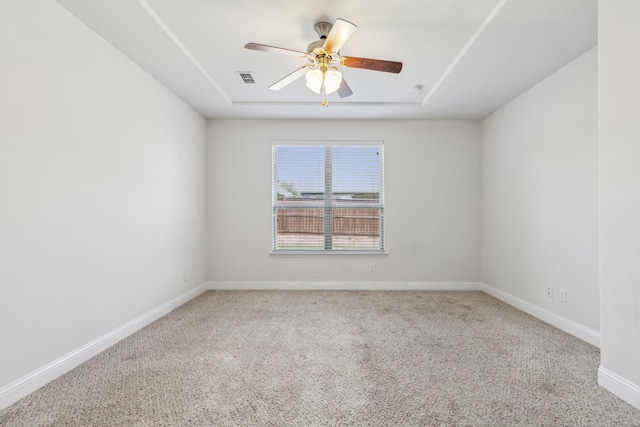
328, 197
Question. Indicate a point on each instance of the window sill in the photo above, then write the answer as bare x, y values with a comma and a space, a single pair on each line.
329, 253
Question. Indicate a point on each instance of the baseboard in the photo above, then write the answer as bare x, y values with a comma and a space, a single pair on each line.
18, 389
624, 389
350, 286
562, 323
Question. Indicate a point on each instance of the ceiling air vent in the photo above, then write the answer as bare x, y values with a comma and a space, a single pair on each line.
246, 77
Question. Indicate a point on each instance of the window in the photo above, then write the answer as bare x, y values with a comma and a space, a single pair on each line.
328, 198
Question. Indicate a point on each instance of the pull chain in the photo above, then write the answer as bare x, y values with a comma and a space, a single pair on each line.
325, 97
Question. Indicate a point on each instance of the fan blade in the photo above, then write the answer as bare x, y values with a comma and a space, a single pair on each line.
372, 64
344, 90
290, 78
273, 49
339, 34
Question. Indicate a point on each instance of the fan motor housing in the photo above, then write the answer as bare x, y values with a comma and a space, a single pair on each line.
315, 51
316, 48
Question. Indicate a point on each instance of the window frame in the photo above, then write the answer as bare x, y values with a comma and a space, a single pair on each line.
380, 206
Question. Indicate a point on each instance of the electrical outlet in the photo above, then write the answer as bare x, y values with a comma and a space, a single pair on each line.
184, 276
550, 291
372, 267
563, 294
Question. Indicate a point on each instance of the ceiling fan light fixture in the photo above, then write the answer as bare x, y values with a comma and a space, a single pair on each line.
326, 82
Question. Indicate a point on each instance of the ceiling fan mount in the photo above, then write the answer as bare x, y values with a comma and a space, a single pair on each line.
322, 76
322, 29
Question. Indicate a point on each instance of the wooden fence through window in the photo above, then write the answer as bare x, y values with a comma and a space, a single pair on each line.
346, 221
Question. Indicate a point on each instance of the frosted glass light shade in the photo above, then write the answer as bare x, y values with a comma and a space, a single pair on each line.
314, 80
332, 80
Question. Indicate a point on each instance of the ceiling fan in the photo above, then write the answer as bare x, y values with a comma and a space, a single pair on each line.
321, 75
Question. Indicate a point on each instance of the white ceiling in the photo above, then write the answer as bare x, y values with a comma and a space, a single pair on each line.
469, 56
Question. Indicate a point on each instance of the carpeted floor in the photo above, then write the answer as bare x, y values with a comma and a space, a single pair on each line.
334, 358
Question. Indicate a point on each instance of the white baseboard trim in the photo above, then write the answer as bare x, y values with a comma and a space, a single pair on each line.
349, 286
562, 323
624, 389
20, 388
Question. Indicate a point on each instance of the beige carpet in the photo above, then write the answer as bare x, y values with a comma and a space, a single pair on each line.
334, 358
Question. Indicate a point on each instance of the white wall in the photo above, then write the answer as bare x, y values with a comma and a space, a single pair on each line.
540, 194
102, 188
431, 195
619, 140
